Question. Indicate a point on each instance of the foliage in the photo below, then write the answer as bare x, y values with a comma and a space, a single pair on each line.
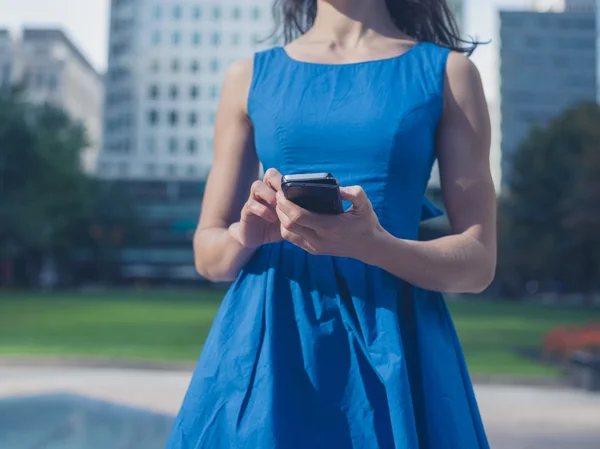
47, 202
550, 217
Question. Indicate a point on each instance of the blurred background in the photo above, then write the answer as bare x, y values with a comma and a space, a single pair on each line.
106, 136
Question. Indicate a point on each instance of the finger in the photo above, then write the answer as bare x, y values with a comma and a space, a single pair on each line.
295, 213
357, 196
253, 207
296, 228
264, 193
272, 178
297, 240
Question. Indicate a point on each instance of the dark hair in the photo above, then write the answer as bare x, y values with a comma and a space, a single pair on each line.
422, 20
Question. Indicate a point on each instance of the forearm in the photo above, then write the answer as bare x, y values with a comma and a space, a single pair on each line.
453, 264
218, 256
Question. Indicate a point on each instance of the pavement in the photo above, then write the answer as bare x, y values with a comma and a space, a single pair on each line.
103, 408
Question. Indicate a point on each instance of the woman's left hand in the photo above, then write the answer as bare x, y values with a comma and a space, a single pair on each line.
350, 234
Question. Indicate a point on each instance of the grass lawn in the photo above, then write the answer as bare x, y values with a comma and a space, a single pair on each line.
174, 325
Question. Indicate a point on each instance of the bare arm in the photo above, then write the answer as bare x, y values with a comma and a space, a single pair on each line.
465, 261
218, 256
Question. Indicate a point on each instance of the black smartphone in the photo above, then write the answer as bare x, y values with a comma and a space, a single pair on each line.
316, 192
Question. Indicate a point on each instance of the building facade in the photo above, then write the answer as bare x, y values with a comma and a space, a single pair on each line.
547, 64
54, 70
166, 64
51, 69
6, 58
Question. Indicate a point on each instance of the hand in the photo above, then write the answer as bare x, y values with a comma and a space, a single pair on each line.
346, 235
259, 223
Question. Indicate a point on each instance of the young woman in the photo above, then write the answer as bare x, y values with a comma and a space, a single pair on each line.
333, 334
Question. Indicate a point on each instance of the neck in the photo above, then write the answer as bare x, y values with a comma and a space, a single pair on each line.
347, 22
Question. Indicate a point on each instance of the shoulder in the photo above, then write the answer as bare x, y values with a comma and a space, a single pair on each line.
240, 70
460, 67
462, 83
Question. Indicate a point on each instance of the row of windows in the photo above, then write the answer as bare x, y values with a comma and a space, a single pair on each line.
122, 169
173, 92
564, 21
175, 146
194, 66
41, 80
196, 38
173, 118
197, 12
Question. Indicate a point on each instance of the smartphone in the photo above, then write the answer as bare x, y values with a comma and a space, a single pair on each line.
316, 192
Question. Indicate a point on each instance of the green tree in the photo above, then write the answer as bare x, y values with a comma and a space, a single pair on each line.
549, 229
47, 203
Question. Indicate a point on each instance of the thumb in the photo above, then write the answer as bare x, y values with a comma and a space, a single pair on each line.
357, 196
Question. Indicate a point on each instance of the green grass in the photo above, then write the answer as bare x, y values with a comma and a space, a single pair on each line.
174, 325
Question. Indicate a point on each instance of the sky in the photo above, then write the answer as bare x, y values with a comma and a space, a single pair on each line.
86, 21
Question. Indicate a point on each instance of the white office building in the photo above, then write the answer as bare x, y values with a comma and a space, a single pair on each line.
166, 64
6, 58
53, 70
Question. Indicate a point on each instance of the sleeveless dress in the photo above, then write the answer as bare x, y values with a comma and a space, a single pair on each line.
311, 352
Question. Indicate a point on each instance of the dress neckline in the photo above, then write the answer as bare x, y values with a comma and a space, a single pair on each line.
283, 50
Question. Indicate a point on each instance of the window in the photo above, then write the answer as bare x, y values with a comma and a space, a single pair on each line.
216, 39
196, 39
175, 65
123, 169
173, 92
192, 146
156, 37
256, 39
214, 65
191, 170
193, 118
195, 66
153, 92
157, 12
216, 12
256, 13
176, 38
211, 118
52, 81
214, 92
155, 67
171, 169
150, 145
194, 92
236, 13
173, 118
197, 12
235, 39
177, 12
172, 145
153, 117
151, 169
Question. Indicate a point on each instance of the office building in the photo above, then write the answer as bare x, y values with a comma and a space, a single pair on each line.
547, 64
6, 58
166, 65
51, 69
55, 71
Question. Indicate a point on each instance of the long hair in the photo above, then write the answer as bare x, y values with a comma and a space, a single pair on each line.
422, 20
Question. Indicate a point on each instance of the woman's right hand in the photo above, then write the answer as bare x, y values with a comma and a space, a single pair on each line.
259, 223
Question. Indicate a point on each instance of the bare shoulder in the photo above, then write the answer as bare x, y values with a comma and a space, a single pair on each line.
240, 70
236, 83
463, 80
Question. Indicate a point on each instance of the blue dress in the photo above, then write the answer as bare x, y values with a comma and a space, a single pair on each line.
311, 352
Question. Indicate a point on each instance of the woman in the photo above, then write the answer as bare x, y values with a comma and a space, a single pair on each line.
332, 335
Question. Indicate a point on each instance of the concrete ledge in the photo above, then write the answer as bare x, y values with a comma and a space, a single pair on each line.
95, 362
168, 365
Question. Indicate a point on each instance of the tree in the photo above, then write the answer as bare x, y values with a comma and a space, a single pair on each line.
47, 202
549, 218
